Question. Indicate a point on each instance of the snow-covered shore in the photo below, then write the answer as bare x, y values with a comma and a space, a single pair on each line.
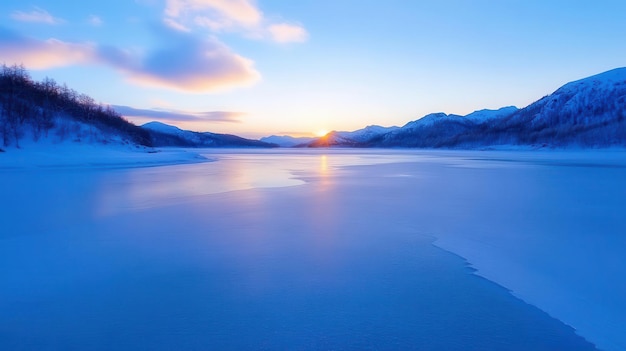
93, 155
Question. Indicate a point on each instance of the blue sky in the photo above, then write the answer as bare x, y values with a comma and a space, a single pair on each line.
264, 67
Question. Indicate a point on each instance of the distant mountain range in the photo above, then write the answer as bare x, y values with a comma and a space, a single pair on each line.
287, 140
46, 112
586, 113
166, 135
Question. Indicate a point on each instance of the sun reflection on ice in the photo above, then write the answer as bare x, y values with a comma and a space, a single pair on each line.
323, 164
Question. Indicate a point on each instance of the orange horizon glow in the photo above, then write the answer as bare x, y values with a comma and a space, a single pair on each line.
321, 133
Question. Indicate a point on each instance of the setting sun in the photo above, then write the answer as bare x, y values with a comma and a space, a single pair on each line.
321, 133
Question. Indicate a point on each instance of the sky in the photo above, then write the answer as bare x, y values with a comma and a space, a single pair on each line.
257, 68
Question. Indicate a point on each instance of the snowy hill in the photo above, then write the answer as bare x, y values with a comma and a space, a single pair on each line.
166, 135
350, 139
586, 113
286, 140
366, 133
43, 114
425, 132
486, 115
47, 112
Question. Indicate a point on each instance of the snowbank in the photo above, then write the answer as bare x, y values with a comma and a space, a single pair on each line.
93, 155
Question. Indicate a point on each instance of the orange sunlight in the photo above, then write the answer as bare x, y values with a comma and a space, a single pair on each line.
321, 133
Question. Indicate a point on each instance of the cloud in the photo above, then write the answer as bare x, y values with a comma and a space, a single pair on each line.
95, 21
288, 33
41, 54
230, 15
37, 15
227, 12
183, 62
179, 116
176, 25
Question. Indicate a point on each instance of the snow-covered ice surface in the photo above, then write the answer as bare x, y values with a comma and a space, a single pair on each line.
317, 249
68, 154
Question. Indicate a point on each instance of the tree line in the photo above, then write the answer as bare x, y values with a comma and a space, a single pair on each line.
36, 108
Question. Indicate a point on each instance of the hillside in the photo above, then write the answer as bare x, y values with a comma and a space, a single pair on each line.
286, 140
34, 112
586, 113
31, 111
350, 139
163, 134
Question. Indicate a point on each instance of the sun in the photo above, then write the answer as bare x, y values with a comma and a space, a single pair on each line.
321, 133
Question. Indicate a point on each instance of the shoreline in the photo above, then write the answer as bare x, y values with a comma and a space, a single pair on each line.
547, 276
560, 291
86, 156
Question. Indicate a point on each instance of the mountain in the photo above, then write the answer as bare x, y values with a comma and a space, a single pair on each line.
366, 133
485, 115
350, 139
439, 130
166, 135
286, 140
586, 113
45, 111
423, 132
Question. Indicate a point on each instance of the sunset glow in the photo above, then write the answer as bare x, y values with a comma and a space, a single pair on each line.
321, 133
287, 67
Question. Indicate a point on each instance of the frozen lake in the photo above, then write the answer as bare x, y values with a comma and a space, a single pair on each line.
318, 250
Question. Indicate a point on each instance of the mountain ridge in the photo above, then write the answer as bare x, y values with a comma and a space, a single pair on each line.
588, 112
167, 135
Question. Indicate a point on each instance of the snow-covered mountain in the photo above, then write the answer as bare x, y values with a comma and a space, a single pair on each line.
367, 133
427, 131
423, 132
167, 135
41, 113
350, 139
286, 140
486, 115
586, 113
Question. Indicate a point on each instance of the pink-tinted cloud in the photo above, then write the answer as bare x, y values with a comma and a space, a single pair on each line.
179, 116
172, 23
227, 12
288, 33
41, 54
36, 15
230, 15
183, 62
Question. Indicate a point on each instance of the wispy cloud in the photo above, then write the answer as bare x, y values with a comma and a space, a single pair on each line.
182, 62
176, 25
186, 62
179, 116
230, 15
95, 21
36, 15
41, 54
288, 33
227, 12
